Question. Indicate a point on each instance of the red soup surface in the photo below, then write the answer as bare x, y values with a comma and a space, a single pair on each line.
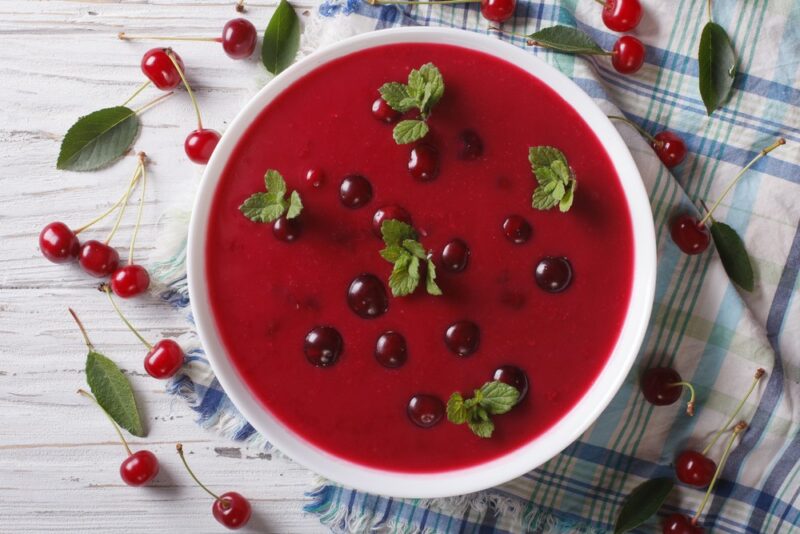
268, 294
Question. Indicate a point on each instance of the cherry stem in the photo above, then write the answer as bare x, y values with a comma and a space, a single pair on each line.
708, 8
690, 387
736, 431
82, 329
600, 2
125, 37
419, 2
760, 155
759, 373
107, 290
136, 93
131, 185
240, 6
113, 423
102, 216
142, 161
188, 88
179, 448
635, 126
152, 103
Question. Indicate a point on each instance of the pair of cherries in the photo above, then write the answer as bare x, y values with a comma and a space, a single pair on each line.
627, 56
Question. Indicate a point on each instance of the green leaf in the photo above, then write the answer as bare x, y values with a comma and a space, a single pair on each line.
261, 207
394, 232
396, 95
566, 39
456, 411
545, 156
569, 195
402, 281
733, 254
498, 397
415, 248
642, 503
716, 66
295, 205
433, 87
98, 138
556, 183
542, 199
281, 39
482, 429
430, 280
392, 253
113, 392
408, 131
275, 183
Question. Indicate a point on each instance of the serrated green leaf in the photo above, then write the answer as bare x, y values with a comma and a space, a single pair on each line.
415, 248
396, 95
456, 411
401, 281
430, 280
295, 205
408, 131
554, 176
281, 39
643, 502
261, 207
545, 156
566, 201
734, 255
394, 232
482, 429
716, 66
433, 87
542, 199
392, 253
98, 139
566, 39
561, 171
274, 183
498, 397
113, 392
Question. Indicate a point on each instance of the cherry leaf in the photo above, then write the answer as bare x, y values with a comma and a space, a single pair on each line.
281, 39
733, 254
642, 503
98, 139
566, 39
717, 66
113, 392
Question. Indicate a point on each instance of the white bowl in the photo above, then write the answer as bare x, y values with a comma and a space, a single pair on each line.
516, 462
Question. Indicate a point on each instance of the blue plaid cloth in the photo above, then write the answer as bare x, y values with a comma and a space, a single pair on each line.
713, 334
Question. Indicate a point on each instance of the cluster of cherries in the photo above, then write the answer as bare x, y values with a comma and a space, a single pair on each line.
627, 56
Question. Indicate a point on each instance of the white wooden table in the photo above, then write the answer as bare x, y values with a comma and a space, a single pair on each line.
59, 457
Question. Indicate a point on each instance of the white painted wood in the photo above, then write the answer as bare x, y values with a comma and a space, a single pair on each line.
58, 455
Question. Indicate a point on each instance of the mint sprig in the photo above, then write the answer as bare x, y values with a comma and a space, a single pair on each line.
424, 89
272, 205
557, 182
493, 398
407, 255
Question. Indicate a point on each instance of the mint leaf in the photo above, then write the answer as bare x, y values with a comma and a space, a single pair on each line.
408, 131
394, 232
272, 205
281, 38
566, 39
415, 248
274, 183
401, 281
569, 195
295, 205
432, 85
498, 397
482, 429
392, 253
456, 411
493, 398
396, 95
98, 139
556, 181
407, 254
430, 281
544, 156
542, 199
113, 392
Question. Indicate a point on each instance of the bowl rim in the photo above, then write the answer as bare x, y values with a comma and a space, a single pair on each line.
518, 461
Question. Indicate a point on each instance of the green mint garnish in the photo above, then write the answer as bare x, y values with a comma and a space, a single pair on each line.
272, 205
556, 180
424, 89
407, 255
493, 398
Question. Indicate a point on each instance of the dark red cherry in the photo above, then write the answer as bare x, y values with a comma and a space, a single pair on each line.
164, 359
287, 229
315, 177
200, 144
59, 243
391, 350
98, 259
462, 337
139, 468
659, 387
384, 112
516, 229
622, 15
239, 38
367, 297
670, 148
513, 376
690, 236
695, 468
425, 410
498, 10
628, 54
323, 346
455, 256
232, 510
470, 145
355, 191
387, 213
129, 281
158, 67
553, 274
680, 524
423, 162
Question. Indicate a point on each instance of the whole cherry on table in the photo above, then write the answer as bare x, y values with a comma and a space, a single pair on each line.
239, 38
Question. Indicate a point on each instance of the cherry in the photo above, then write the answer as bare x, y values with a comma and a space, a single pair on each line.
455, 256
384, 112
516, 229
287, 229
391, 350
471, 145
628, 54
498, 10
425, 410
59, 243
139, 468
159, 68
680, 524
387, 213
462, 337
691, 236
423, 162
553, 274
323, 346
200, 144
164, 359
513, 376
670, 148
230, 509
130, 281
315, 177
239, 38
98, 259
695, 468
367, 297
622, 15
355, 191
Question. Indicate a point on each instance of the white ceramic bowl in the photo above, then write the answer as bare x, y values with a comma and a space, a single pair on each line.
521, 460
